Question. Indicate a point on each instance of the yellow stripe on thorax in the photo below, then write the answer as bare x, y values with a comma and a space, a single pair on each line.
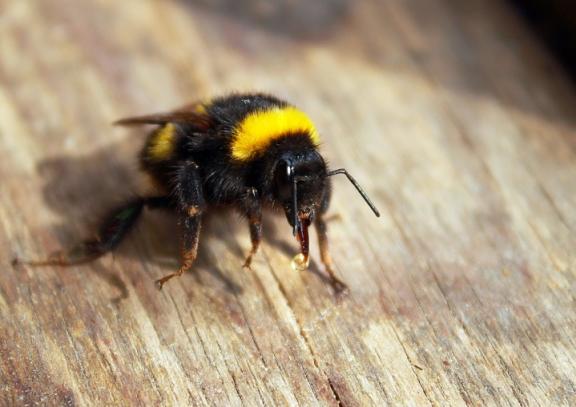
259, 129
162, 143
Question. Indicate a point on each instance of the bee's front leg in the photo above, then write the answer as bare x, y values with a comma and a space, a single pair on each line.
320, 223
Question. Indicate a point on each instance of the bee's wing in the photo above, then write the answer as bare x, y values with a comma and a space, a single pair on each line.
183, 115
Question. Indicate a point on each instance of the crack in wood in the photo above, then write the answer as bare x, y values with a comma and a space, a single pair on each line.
303, 335
335, 392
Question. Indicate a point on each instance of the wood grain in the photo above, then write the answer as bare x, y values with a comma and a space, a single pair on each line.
454, 118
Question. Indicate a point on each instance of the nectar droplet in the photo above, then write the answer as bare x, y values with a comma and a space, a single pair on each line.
300, 262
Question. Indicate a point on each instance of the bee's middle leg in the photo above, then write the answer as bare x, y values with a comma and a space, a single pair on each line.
191, 204
253, 208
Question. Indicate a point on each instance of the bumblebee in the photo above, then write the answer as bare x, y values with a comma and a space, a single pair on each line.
246, 151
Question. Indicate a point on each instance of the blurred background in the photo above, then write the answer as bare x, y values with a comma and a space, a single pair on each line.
555, 22
457, 116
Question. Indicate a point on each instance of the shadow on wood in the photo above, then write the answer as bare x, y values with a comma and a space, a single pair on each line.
81, 189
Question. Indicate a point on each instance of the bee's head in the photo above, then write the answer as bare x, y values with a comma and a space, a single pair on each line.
299, 185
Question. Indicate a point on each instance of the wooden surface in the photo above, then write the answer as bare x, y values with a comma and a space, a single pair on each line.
454, 118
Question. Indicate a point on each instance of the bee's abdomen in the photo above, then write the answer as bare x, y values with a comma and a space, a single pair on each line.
161, 145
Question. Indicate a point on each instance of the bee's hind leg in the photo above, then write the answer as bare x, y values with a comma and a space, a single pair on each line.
113, 228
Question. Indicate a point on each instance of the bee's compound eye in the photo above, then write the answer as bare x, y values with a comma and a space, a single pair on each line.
283, 181
289, 171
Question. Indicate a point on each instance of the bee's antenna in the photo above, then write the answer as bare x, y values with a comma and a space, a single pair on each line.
358, 188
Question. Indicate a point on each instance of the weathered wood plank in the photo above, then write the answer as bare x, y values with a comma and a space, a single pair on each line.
455, 119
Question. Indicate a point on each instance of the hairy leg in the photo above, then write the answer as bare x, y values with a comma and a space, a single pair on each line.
113, 229
191, 205
253, 209
322, 230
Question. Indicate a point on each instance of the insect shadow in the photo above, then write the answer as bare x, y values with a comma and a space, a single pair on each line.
81, 189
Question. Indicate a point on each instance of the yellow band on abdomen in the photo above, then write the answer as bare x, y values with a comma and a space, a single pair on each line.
162, 143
